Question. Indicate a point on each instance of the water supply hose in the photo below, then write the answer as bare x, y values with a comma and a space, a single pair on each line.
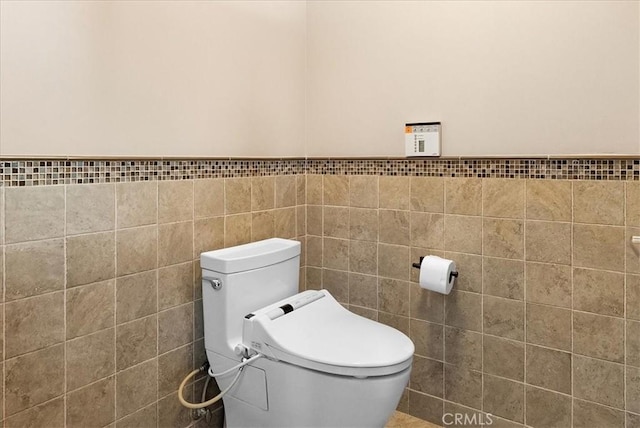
239, 367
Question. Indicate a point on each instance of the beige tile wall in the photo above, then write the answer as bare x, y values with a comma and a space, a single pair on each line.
102, 314
543, 325
101, 306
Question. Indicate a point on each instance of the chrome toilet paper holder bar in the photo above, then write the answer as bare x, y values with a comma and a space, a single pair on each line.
453, 274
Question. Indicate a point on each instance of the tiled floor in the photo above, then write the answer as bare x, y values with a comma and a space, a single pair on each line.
402, 420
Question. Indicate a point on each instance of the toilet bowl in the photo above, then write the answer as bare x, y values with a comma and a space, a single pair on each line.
320, 365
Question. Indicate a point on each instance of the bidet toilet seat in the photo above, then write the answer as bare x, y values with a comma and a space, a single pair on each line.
314, 331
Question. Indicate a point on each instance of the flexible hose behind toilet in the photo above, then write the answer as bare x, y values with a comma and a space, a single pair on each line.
217, 398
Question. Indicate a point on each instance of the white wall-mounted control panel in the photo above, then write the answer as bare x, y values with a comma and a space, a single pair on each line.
422, 139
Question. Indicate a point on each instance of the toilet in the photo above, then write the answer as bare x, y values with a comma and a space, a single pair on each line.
320, 364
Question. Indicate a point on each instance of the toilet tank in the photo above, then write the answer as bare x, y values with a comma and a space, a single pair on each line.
251, 276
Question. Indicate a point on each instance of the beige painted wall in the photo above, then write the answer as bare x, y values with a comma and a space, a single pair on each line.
228, 78
518, 77
152, 78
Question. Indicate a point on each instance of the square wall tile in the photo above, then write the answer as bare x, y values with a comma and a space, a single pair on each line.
428, 338
505, 398
262, 226
548, 242
549, 200
363, 257
90, 358
136, 387
336, 222
463, 386
427, 376
237, 229
598, 291
632, 208
503, 317
393, 226
50, 413
471, 265
286, 191
549, 369
598, 202
363, 224
394, 192
34, 268
237, 195
335, 253
463, 234
427, 230
175, 243
208, 197
463, 196
503, 198
464, 310
427, 194
91, 258
263, 193
608, 254
33, 213
393, 296
363, 290
175, 285
503, 357
394, 261
599, 381
426, 305
598, 336
337, 283
633, 344
175, 201
314, 189
503, 238
136, 204
363, 191
588, 415
463, 348
100, 397
33, 323
335, 190
549, 326
503, 277
136, 342
549, 284
42, 370
547, 409
136, 249
90, 208
82, 317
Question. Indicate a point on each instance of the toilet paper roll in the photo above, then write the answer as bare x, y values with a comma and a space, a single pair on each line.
436, 274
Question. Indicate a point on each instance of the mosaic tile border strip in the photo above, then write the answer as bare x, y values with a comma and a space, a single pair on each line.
16, 173
550, 169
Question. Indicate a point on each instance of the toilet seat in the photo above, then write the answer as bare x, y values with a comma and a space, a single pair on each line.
313, 330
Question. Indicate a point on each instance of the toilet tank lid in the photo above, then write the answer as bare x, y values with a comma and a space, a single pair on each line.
250, 256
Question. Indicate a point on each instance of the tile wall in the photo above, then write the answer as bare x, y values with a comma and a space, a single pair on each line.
101, 304
543, 326
102, 311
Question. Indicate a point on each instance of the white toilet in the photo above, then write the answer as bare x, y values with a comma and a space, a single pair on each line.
322, 365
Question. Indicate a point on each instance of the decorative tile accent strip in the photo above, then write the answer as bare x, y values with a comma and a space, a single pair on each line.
50, 172
16, 173
554, 169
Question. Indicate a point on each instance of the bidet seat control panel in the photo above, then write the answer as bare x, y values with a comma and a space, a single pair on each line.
422, 139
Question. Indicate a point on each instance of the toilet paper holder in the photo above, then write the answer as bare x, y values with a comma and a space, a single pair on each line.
453, 274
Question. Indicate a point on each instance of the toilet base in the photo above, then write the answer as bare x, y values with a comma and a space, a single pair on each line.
280, 395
